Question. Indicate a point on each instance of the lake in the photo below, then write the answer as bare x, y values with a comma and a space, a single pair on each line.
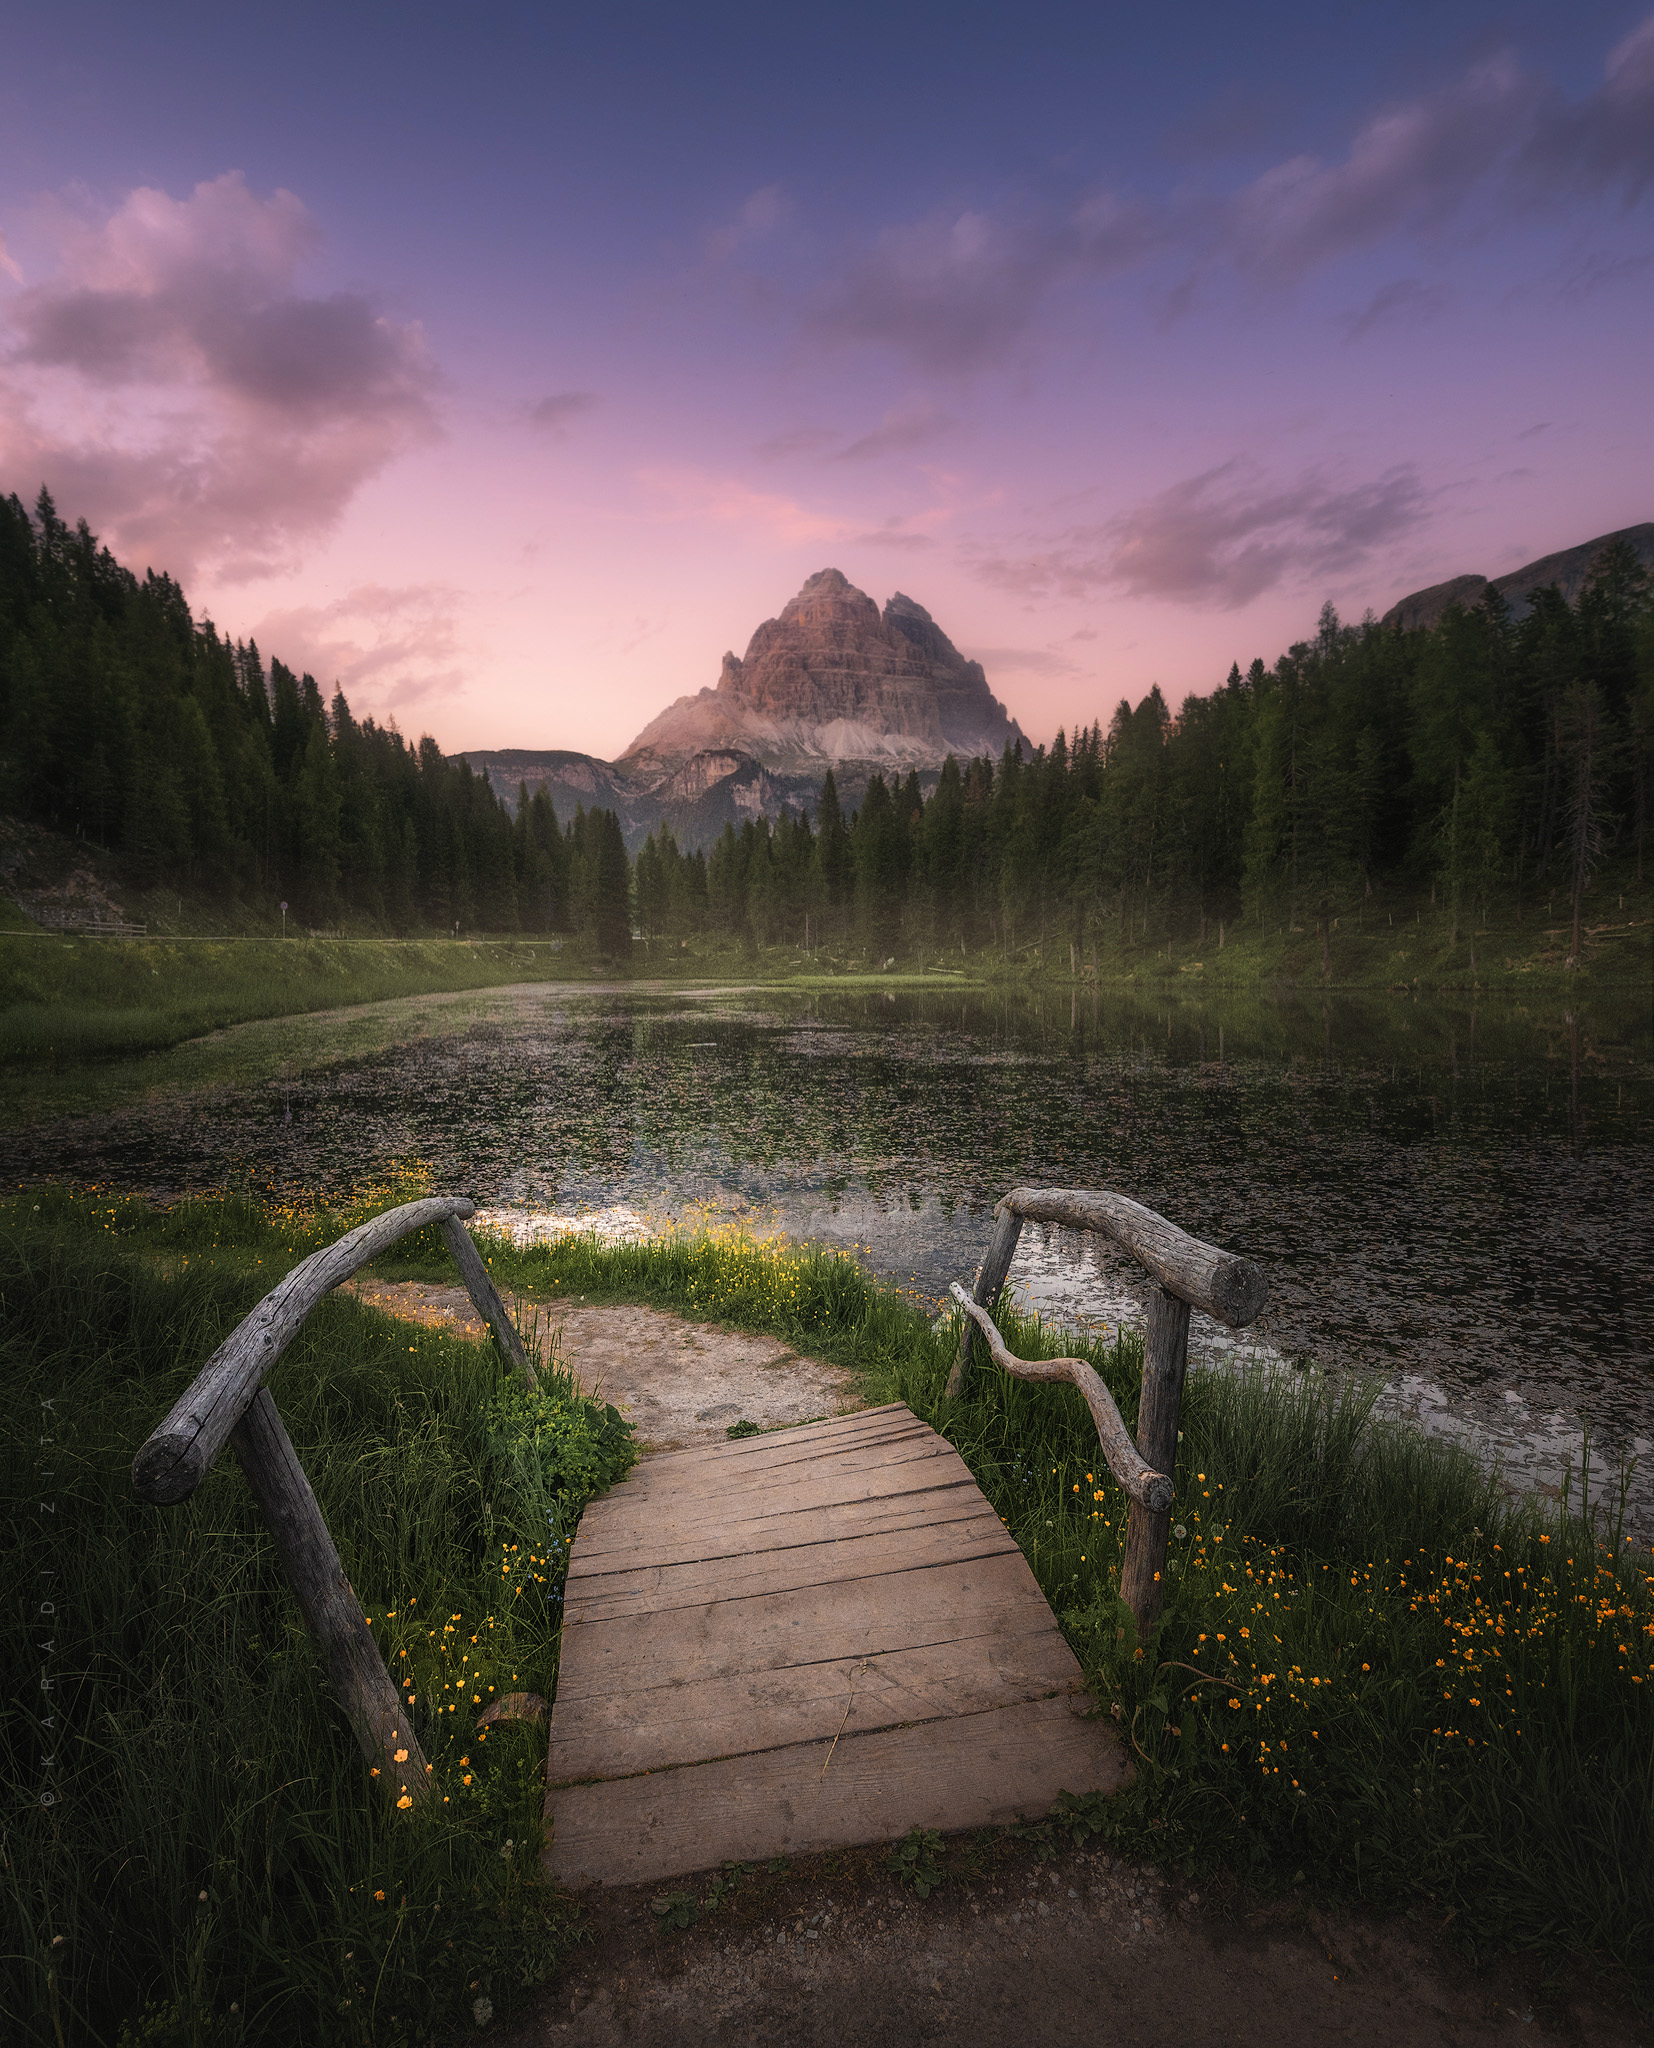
1455, 1195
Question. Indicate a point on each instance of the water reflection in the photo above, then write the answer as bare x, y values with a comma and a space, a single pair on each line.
1459, 1193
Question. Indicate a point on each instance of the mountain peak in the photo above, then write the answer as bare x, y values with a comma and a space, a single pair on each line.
832, 680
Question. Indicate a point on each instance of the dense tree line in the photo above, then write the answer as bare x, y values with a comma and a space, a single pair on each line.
124, 722
1474, 759
1478, 758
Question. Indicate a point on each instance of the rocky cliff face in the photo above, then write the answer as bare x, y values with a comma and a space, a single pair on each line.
835, 681
1567, 570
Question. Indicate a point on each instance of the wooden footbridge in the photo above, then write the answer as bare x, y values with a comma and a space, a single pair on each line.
791, 1642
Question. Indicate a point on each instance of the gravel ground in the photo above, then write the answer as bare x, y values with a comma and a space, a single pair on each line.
1085, 1949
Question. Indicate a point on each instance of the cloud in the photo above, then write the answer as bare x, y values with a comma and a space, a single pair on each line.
386, 647
1030, 661
1406, 302
912, 425
173, 383
895, 532
956, 289
1217, 540
556, 412
801, 441
1608, 139
9, 264
693, 495
1411, 166
761, 213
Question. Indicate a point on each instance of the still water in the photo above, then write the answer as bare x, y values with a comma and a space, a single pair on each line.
1459, 1197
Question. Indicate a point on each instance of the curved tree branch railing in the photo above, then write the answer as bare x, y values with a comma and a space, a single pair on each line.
1190, 1274
227, 1402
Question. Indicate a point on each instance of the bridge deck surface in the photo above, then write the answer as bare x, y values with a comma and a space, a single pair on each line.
801, 1641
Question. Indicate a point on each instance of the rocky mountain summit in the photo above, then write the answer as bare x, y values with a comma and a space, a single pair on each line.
835, 682
1567, 569
832, 683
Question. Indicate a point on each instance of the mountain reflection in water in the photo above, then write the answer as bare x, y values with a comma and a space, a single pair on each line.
1458, 1196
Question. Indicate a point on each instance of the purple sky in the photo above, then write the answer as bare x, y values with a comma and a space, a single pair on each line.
509, 374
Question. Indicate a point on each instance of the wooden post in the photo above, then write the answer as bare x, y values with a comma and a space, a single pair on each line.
383, 1724
474, 1272
1165, 1360
986, 1294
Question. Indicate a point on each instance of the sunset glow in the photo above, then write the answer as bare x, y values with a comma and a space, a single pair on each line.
509, 373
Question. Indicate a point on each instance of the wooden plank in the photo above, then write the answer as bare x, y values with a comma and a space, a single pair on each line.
704, 1478
619, 1734
934, 1507
660, 1588
669, 1470
980, 1770
723, 1637
854, 1474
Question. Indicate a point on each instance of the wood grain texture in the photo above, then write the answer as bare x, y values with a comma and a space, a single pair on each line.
858, 1618
729, 1619
1141, 1481
177, 1455
618, 1734
1232, 1289
1165, 1362
328, 1601
485, 1295
990, 1281
709, 1544
660, 1589
977, 1770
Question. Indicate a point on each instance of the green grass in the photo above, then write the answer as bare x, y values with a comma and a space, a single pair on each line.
1419, 1695
1379, 1681
195, 1851
66, 1000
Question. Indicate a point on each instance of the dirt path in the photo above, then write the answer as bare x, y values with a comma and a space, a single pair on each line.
1087, 1950
681, 1383
1084, 1950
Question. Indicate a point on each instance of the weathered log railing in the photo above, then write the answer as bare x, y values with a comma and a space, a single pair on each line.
1189, 1274
227, 1402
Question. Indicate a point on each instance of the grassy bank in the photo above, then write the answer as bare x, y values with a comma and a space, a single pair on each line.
195, 1852
1379, 1681
66, 1001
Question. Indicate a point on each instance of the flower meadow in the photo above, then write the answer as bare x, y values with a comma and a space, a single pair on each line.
1379, 1680
197, 1850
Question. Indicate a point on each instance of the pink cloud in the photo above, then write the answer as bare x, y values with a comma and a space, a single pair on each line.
172, 382
957, 289
1411, 165
690, 494
1608, 139
1215, 541
387, 648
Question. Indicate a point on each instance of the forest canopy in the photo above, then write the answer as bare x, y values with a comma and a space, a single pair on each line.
1478, 757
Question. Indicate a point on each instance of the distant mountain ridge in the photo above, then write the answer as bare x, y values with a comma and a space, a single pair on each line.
1567, 569
833, 682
